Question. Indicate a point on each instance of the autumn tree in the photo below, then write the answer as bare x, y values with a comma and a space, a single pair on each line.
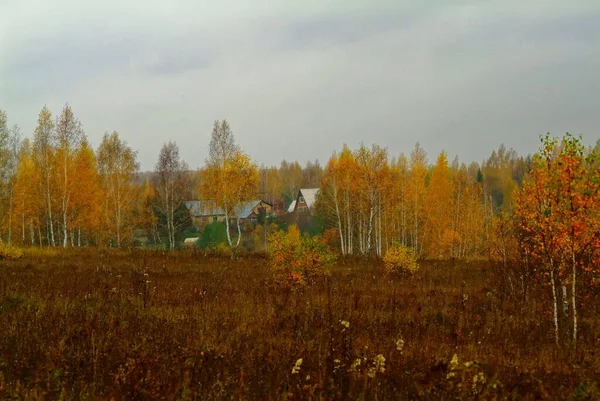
468, 214
398, 213
29, 203
86, 198
43, 156
438, 210
373, 180
334, 202
67, 138
10, 141
291, 177
271, 185
118, 167
558, 212
230, 178
230, 187
354, 197
172, 183
416, 191
312, 174
145, 211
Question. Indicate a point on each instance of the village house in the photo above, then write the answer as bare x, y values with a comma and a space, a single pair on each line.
205, 212
301, 209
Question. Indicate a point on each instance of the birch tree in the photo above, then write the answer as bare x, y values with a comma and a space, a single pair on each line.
43, 156
118, 167
230, 178
67, 139
29, 203
172, 183
558, 211
10, 141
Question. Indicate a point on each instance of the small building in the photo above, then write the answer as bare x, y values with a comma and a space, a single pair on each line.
292, 207
205, 212
251, 210
191, 242
301, 209
305, 200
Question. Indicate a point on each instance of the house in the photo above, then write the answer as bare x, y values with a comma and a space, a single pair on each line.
205, 212
292, 207
251, 210
301, 209
305, 200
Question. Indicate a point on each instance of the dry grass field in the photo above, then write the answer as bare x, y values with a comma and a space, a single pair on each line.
96, 324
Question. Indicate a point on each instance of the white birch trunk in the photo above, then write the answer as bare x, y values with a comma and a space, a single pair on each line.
573, 299
553, 283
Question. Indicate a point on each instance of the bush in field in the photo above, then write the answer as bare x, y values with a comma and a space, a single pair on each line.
213, 235
400, 259
298, 259
9, 252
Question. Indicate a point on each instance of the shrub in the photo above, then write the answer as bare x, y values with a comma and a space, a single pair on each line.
400, 259
213, 235
298, 259
10, 252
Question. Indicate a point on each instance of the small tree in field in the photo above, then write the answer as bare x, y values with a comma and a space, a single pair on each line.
298, 259
400, 259
558, 213
230, 178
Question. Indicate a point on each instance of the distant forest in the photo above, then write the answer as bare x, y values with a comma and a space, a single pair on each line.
57, 190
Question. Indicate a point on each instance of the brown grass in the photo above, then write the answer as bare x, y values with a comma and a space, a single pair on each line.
146, 325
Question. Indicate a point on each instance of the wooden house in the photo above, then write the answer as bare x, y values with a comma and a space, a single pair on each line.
205, 212
301, 209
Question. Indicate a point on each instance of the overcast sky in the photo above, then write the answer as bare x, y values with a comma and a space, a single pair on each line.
297, 79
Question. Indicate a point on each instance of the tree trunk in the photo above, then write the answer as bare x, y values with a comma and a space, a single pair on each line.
227, 227
50, 224
553, 283
565, 302
573, 299
339, 218
65, 233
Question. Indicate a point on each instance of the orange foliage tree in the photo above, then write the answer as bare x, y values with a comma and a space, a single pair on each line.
558, 211
438, 209
86, 200
298, 259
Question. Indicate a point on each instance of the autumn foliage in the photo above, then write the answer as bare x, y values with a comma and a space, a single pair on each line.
400, 259
558, 215
296, 259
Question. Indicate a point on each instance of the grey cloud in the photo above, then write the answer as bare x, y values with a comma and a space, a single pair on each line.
298, 81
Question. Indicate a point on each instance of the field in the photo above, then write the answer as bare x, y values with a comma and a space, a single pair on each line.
183, 325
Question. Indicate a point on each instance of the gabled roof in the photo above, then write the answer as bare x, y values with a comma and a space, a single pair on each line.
292, 206
244, 209
203, 208
310, 195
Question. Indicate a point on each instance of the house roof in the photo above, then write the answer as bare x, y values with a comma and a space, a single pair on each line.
310, 195
292, 206
203, 208
244, 209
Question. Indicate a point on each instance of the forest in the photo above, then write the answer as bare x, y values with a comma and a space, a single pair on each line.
416, 278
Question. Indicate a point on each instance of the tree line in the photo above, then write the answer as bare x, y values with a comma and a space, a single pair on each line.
58, 191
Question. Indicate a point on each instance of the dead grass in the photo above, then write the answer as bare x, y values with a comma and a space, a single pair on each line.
96, 324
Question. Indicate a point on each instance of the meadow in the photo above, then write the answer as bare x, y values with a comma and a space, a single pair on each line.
102, 324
